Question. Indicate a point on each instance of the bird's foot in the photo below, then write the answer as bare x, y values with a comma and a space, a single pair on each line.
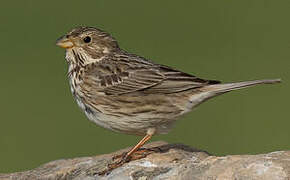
110, 167
139, 154
125, 158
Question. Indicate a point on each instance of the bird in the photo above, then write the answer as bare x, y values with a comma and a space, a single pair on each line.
128, 93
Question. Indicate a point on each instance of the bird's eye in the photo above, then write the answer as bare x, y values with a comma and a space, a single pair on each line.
87, 39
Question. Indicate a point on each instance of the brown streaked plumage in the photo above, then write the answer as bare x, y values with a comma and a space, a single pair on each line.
127, 93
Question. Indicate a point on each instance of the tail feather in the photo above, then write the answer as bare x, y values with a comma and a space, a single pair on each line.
213, 90
223, 88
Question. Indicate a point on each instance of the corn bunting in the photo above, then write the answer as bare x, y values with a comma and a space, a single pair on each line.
127, 93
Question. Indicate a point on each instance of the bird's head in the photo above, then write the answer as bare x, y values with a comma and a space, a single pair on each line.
87, 44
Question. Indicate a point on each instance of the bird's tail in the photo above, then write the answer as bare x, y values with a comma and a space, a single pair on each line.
213, 90
223, 88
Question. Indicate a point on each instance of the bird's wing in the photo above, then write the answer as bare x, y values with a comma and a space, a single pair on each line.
131, 81
133, 74
176, 81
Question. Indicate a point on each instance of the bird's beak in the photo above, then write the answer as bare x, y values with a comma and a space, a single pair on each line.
64, 42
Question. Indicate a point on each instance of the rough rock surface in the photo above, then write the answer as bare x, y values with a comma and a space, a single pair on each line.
174, 161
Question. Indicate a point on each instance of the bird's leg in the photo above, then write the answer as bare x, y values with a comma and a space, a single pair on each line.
126, 157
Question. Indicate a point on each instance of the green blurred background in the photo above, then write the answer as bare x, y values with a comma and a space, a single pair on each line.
225, 40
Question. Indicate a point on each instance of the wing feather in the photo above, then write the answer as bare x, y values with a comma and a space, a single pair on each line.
134, 73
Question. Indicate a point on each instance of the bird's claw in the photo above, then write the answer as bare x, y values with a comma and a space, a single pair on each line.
110, 167
124, 158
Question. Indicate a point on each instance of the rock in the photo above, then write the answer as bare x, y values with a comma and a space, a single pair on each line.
174, 161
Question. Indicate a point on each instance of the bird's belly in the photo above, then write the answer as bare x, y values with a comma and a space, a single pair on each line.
130, 114
134, 124
92, 114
